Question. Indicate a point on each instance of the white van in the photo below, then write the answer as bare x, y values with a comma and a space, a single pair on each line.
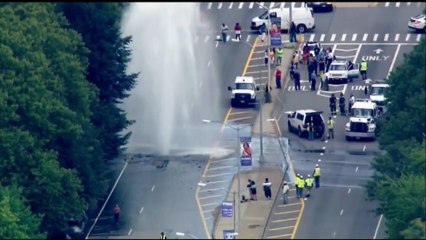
302, 17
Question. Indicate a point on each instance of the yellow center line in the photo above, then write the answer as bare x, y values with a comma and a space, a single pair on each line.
298, 219
228, 113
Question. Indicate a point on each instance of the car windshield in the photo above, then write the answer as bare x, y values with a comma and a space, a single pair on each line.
244, 86
377, 91
338, 67
361, 112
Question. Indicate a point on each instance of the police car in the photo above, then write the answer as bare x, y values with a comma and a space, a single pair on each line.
244, 92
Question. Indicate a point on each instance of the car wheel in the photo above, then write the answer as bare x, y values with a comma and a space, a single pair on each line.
300, 132
301, 28
290, 129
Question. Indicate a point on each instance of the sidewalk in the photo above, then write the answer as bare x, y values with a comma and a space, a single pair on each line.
254, 214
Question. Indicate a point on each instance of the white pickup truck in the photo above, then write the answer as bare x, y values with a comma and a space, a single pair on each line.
244, 92
339, 71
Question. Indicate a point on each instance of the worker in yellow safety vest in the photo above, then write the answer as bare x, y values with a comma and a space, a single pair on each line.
363, 69
330, 124
280, 54
301, 185
309, 183
317, 176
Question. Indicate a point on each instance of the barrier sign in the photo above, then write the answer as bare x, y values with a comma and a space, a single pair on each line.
275, 32
227, 209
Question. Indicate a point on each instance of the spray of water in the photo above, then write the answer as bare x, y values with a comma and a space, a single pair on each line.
177, 85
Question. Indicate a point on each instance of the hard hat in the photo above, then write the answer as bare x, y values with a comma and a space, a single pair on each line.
301, 176
285, 182
316, 165
309, 175
297, 174
363, 60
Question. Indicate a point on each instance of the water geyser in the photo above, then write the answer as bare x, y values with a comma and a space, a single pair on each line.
178, 84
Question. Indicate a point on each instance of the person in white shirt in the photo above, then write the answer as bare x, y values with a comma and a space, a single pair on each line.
286, 191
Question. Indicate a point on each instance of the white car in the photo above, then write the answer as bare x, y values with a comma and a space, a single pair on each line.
298, 122
244, 92
377, 93
418, 23
339, 71
361, 122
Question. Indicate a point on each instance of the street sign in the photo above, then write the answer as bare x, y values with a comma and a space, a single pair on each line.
246, 154
228, 234
227, 209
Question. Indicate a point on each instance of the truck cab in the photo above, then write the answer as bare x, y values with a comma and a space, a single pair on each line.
244, 92
339, 71
362, 120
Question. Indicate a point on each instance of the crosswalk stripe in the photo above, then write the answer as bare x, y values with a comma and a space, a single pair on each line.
322, 37
387, 4
333, 36
228, 38
386, 37
248, 38
271, 5
343, 37
293, 4
209, 6
354, 37
230, 5
397, 4
261, 4
418, 4
241, 5
364, 38
311, 38
375, 37
282, 4
219, 6
408, 3
251, 5
397, 37
407, 37
418, 37
206, 38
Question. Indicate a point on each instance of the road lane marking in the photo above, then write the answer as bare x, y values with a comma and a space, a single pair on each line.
218, 175
248, 38
349, 190
210, 204
341, 212
140, 211
311, 38
209, 6
282, 4
251, 5
334, 234
322, 37
241, 5
271, 5
296, 226
222, 167
343, 37
289, 204
387, 4
222, 160
256, 65
217, 43
356, 169
254, 72
386, 37
201, 83
363, 149
261, 4
321, 154
230, 5
340, 185
397, 4
208, 210
280, 228
354, 37
418, 37
208, 64
397, 37
408, 3
228, 38
394, 59
211, 189
219, 6
378, 225
357, 52
239, 119
152, 189
293, 4
214, 182
283, 220
333, 36
212, 196
206, 38
242, 112
130, 232
106, 201
370, 44
279, 236
364, 38
282, 213
375, 37
407, 37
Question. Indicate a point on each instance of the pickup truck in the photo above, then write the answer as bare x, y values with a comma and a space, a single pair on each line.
339, 71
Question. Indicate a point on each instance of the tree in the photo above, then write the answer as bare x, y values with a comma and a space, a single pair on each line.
415, 230
99, 25
16, 218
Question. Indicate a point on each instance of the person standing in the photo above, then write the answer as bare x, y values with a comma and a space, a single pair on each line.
363, 69
293, 32
116, 212
237, 29
253, 192
296, 184
224, 30
291, 71
296, 59
317, 50
310, 69
278, 77
332, 101
267, 189
286, 191
280, 54
313, 81
330, 124
300, 186
163, 235
305, 52
310, 130
317, 176
350, 103
271, 56
309, 183
266, 57
342, 104
296, 76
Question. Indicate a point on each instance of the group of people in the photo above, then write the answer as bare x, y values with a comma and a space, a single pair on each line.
253, 190
300, 184
224, 32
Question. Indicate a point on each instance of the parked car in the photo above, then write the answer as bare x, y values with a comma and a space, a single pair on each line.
298, 122
320, 6
418, 23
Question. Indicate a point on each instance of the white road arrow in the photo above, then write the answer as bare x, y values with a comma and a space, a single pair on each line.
378, 51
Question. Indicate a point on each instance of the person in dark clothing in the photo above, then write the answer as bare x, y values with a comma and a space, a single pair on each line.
292, 32
310, 70
253, 192
342, 104
296, 76
321, 66
292, 69
116, 211
267, 189
317, 51
315, 65
333, 104
313, 81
